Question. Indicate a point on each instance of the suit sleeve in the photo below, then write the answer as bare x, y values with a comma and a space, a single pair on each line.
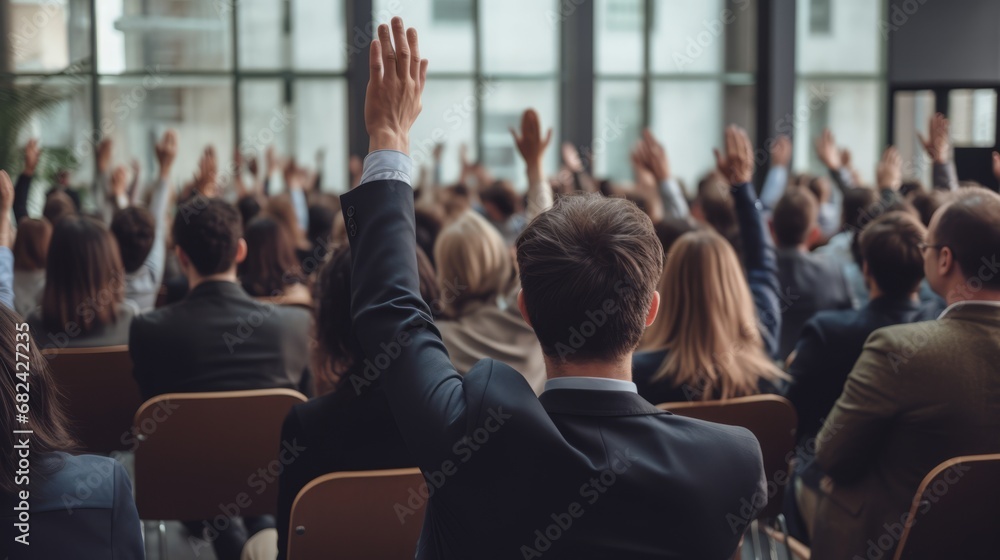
863, 415
402, 346
136, 350
809, 364
126, 532
761, 264
21, 191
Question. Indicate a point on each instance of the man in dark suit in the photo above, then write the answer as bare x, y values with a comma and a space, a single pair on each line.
809, 282
920, 393
218, 338
831, 342
587, 470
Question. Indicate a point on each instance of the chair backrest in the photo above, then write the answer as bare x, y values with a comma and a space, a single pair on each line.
771, 418
201, 455
99, 393
955, 512
363, 515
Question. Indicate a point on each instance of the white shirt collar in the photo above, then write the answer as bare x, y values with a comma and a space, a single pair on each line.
591, 384
968, 302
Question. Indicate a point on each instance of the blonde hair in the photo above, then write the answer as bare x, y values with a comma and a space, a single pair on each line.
473, 263
708, 322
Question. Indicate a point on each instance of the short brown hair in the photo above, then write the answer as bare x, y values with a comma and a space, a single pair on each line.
890, 246
794, 215
135, 230
58, 205
31, 245
970, 227
588, 268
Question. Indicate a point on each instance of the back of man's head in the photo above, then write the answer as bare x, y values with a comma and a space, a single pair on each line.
857, 206
970, 227
890, 247
135, 231
209, 232
588, 268
794, 218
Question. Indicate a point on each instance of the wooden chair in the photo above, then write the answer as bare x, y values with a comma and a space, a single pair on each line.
99, 393
771, 418
373, 515
202, 455
955, 512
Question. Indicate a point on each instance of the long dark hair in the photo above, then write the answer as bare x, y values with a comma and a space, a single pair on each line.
46, 417
84, 276
271, 264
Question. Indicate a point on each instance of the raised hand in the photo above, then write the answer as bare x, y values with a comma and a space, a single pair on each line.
889, 173
392, 100
652, 156
166, 152
937, 144
530, 142
571, 157
736, 165
205, 181
827, 151
781, 152
31, 155
6, 203
104, 152
119, 182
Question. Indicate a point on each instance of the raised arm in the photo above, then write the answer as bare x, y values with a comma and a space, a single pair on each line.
938, 148
166, 153
758, 251
23, 188
532, 147
777, 174
652, 156
833, 159
390, 319
6, 241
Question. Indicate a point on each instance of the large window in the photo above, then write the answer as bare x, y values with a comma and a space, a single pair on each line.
840, 81
246, 74
685, 68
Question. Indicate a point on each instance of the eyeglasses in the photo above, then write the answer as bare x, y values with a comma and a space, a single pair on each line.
923, 247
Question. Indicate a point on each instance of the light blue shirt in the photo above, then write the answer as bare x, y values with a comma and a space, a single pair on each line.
6, 277
591, 384
387, 165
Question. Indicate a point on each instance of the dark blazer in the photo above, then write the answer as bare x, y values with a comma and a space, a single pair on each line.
218, 338
347, 430
762, 277
83, 509
918, 395
830, 345
809, 283
572, 474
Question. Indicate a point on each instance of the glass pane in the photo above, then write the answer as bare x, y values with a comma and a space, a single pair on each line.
46, 36
447, 30
519, 36
741, 107
912, 111
741, 36
200, 109
618, 28
448, 116
261, 41
321, 106
686, 117
502, 109
64, 129
617, 125
852, 109
838, 37
318, 36
135, 35
973, 114
688, 36
263, 116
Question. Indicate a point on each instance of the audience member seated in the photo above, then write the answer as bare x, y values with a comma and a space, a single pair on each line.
80, 505
832, 340
31, 249
501, 207
713, 338
218, 338
351, 428
141, 233
920, 393
585, 255
58, 205
713, 205
670, 230
83, 304
859, 207
271, 269
808, 282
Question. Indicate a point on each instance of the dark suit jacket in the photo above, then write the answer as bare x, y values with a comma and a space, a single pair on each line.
218, 338
83, 509
347, 430
572, 474
830, 345
919, 394
809, 283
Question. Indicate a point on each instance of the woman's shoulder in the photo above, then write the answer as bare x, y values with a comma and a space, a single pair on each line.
77, 482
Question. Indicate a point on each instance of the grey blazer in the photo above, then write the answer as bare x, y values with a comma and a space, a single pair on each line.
112, 334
